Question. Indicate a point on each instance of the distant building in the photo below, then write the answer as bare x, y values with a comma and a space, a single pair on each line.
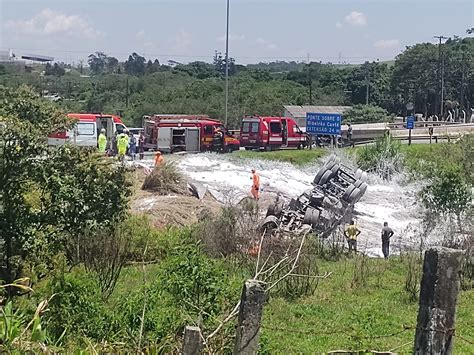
5, 56
11, 62
298, 113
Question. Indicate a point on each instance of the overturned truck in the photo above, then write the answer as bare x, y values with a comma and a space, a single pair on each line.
337, 188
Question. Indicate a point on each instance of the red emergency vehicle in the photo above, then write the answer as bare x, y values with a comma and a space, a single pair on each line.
87, 129
192, 133
271, 133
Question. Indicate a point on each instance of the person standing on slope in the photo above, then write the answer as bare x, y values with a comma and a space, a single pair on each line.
351, 233
159, 158
387, 233
255, 185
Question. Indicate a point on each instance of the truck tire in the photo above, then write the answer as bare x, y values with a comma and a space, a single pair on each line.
357, 183
358, 174
275, 209
363, 188
347, 193
319, 175
335, 169
311, 217
353, 197
329, 165
334, 158
248, 148
364, 176
269, 223
325, 178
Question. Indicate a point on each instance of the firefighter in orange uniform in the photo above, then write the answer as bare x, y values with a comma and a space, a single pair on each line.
159, 158
255, 185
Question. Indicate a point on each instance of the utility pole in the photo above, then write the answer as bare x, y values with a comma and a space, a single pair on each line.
310, 82
126, 94
463, 78
226, 66
367, 85
441, 74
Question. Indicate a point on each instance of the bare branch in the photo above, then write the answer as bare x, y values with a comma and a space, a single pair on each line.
231, 315
303, 238
259, 252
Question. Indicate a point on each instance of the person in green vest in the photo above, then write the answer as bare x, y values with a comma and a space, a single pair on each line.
122, 144
102, 141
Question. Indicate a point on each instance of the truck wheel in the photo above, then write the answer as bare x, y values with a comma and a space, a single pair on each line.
311, 217
330, 164
248, 148
326, 176
363, 188
347, 193
275, 209
353, 197
335, 169
268, 148
319, 175
358, 174
332, 157
364, 176
269, 223
357, 183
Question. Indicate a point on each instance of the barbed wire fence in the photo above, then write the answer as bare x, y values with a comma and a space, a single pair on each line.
434, 331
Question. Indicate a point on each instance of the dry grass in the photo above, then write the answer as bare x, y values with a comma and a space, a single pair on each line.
165, 179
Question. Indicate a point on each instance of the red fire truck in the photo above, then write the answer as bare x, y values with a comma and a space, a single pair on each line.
191, 133
272, 133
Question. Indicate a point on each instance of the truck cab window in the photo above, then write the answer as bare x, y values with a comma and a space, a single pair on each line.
119, 127
255, 126
275, 127
208, 129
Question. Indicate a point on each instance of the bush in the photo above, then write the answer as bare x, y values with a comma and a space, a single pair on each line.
447, 193
158, 243
77, 307
230, 233
188, 288
366, 113
383, 157
165, 179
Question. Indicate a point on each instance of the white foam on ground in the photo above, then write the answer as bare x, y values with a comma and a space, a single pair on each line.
229, 179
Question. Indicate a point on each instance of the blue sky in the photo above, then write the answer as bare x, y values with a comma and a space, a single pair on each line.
259, 30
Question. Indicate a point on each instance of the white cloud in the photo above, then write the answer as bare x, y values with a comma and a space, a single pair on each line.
387, 43
356, 18
144, 39
339, 25
266, 44
183, 40
141, 35
232, 37
50, 22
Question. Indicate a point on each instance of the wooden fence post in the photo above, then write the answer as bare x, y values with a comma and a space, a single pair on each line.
192, 342
438, 295
250, 316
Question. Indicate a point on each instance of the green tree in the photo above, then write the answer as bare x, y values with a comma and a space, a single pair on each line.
97, 62
135, 64
55, 70
48, 197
